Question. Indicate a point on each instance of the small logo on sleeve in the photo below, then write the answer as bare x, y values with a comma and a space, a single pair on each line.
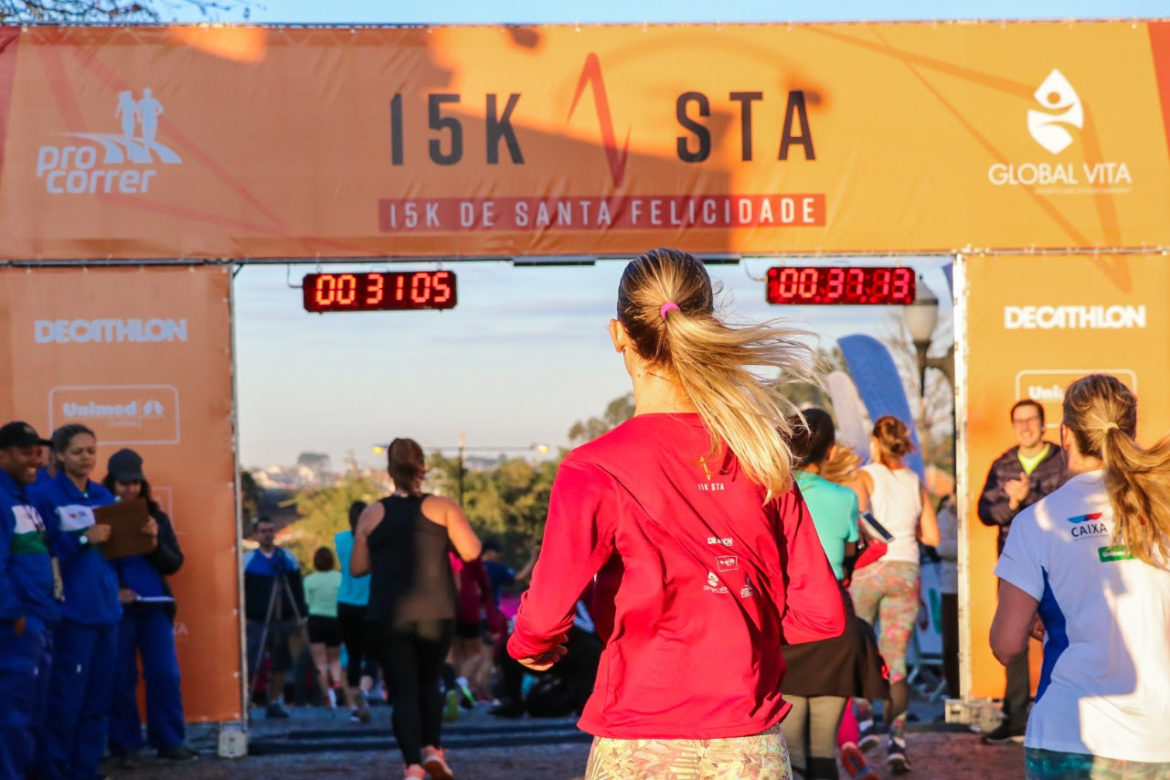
1088, 525
1113, 554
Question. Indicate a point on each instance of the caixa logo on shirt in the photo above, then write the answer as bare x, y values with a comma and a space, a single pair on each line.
1088, 525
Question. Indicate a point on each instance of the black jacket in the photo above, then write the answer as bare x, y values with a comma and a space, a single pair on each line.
166, 559
260, 577
994, 504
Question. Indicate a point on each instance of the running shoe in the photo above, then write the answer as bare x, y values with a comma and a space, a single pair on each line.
451, 710
1004, 734
435, 762
870, 736
275, 710
855, 764
414, 772
359, 716
896, 757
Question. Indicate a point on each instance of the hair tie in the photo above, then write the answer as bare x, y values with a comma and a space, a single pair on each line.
1110, 426
668, 307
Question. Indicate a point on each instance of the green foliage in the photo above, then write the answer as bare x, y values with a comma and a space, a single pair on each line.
249, 498
508, 501
323, 511
617, 412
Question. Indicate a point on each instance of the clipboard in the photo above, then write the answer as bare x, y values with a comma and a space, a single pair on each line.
125, 520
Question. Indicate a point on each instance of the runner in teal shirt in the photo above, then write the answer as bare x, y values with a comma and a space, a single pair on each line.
834, 508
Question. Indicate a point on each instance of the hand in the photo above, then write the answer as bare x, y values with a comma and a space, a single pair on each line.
126, 596
18, 625
98, 533
1037, 631
150, 528
544, 661
1017, 490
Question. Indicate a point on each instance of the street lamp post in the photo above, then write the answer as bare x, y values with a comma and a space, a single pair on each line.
921, 320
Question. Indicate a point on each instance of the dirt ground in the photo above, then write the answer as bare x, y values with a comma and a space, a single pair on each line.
313, 745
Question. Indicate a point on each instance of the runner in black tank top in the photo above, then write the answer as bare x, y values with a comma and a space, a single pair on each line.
403, 542
412, 580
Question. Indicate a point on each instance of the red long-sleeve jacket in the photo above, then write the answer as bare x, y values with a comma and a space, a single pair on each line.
699, 582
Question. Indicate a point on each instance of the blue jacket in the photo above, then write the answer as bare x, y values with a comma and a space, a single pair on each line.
26, 573
91, 584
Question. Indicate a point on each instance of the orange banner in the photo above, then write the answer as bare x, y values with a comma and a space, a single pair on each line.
143, 357
249, 142
1033, 325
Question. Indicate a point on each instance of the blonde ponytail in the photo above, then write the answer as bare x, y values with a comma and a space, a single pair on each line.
713, 362
1101, 413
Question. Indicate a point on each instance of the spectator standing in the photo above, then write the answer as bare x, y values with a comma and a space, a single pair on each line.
948, 553
85, 644
402, 542
352, 598
500, 574
888, 587
1092, 561
29, 603
147, 629
1019, 478
266, 571
321, 589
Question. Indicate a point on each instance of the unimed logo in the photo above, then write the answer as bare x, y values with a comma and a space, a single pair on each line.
119, 414
1073, 317
109, 331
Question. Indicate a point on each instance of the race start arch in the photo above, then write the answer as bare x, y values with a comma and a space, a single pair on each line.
1037, 151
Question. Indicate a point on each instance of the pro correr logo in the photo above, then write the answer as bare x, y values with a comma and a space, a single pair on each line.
109, 162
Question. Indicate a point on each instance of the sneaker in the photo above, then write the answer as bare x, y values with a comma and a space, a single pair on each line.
177, 754
508, 709
896, 757
128, 760
451, 710
414, 772
275, 710
466, 697
1004, 734
854, 762
435, 762
870, 736
359, 716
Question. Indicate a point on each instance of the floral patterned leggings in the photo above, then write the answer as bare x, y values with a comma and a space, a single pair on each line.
888, 591
760, 757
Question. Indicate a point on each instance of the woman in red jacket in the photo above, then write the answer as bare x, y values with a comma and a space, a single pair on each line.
705, 556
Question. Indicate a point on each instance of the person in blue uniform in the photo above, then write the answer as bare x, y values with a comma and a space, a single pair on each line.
85, 642
28, 603
147, 629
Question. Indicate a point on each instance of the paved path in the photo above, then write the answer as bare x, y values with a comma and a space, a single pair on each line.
316, 743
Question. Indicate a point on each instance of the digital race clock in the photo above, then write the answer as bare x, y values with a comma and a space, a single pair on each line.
379, 291
802, 285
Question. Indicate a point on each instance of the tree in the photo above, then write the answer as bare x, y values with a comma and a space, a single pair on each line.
123, 11
616, 412
318, 462
323, 511
250, 494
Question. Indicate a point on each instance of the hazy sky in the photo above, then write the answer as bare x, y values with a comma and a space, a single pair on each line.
525, 353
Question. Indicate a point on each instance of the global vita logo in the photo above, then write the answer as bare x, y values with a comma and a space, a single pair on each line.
1061, 109
75, 169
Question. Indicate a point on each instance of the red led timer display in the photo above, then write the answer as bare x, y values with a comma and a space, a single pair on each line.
804, 285
379, 291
